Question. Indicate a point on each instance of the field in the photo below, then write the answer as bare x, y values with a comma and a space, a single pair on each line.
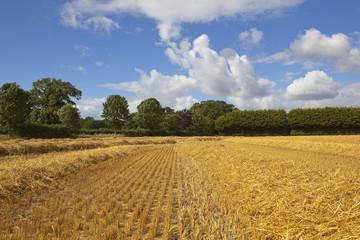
181, 188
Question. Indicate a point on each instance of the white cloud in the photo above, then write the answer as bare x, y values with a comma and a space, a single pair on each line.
219, 75
91, 107
80, 69
185, 102
316, 85
168, 14
225, 75
285, 57
314, 48
169, 90
315, 45
251, 37
347, 96
72, 15
350, 62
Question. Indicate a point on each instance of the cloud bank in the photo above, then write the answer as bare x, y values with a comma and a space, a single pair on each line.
169, 15
313, 48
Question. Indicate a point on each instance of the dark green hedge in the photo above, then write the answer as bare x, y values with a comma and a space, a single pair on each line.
329, 120
250, 123
45, 131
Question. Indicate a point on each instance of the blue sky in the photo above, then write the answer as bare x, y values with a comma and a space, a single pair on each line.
256, 54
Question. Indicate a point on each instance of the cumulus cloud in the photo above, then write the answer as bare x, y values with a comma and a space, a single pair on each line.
91, 107
223, 75
348, 95
220, 75
315, 45
316, 85
168, 14
169, 90
349, 62
251, 38
313, 48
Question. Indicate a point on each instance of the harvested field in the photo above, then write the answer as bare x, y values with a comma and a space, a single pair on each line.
193, 188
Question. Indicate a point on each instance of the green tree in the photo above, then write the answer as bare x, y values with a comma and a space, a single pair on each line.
168, 111
48, 96
171, 123
69, 116
14, 106
150, 114
205, 113
212, 109
130, 122
116, 111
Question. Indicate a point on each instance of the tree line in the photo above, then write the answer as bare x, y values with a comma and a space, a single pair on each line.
49, 110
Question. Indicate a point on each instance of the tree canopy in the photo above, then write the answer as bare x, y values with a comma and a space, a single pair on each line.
212, 109
150, 114
69, 116
14, 106
48, 96
116, 110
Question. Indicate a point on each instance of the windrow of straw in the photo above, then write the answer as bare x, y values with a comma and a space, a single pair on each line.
21, 173
40, 146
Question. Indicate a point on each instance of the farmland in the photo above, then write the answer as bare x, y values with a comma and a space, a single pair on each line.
181, 188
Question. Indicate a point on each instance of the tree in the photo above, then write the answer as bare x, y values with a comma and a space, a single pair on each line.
212, 109
91, 123
130, 122
168, 111
185, 116
14, 106
69, 116
205, 113
150, 114
171, 123
116, 111
48, 96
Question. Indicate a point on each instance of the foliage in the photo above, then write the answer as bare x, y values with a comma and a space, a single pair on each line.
329, 120
95, 124
48, 96
212, 109
150, 114
14, 107
205, 113
33, 130
116, 111
185, 116
69, 116
168, 111
258, 122
171, 123
130, 122
202, 125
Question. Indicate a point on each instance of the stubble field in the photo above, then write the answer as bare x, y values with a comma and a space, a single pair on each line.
181, 188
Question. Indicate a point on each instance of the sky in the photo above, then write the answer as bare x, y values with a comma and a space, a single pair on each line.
255, 54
